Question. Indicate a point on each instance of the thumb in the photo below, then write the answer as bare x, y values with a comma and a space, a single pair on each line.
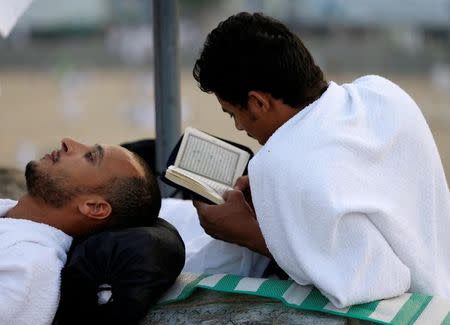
200, 206
242, 183
232, 196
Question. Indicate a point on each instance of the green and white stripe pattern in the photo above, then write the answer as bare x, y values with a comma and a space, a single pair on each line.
409, 308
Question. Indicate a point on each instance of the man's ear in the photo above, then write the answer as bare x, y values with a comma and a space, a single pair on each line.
95, 208
258, 102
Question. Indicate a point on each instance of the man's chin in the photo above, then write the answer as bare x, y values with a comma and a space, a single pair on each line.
31, 173
260, 141
32, 164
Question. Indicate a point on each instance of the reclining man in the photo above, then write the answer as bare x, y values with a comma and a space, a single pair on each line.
73, 191
349, 191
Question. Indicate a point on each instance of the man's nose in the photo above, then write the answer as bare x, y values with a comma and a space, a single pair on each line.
70, 145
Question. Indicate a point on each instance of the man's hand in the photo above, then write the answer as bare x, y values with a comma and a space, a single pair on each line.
233, 221
243, 185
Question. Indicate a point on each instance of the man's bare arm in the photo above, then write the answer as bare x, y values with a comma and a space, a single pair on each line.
233, 221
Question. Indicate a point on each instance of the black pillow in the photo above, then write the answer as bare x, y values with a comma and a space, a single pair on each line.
136, 266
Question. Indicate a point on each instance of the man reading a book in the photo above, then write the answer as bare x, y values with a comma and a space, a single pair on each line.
348, 190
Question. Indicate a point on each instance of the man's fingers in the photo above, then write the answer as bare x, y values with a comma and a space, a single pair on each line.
242, 183
206, 213
195, 203
201, 206
234, 195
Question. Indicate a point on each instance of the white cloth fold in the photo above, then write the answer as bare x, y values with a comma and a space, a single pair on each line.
10, 12
31, 258
205, 254
351, 196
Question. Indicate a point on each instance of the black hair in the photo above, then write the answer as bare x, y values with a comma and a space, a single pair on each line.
135, 201
255, 52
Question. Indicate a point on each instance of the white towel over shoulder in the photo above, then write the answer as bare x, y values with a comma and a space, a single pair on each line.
31, 258
351, 196
10, 11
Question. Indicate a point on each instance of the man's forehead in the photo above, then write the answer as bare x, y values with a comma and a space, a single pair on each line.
221, 102
226, 106
123, 160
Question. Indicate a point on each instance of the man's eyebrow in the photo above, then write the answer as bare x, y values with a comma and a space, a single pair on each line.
101, 152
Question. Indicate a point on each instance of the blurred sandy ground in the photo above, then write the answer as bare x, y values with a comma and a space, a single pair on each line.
38, 108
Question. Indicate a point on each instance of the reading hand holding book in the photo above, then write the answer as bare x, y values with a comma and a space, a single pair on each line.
206, 165
243, 185
233, 221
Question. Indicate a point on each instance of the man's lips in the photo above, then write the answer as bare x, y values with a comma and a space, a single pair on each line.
55, 155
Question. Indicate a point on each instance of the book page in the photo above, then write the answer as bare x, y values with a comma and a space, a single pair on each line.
205, 187
210, 160
216, 186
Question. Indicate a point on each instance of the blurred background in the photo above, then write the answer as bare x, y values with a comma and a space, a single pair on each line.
85, 68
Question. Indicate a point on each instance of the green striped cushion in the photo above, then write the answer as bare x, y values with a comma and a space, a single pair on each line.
409, 308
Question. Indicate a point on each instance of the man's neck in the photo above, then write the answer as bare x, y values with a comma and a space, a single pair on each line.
311, 95
30, 208
37, 210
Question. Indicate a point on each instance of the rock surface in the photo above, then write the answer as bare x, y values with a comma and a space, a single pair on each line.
209, 307
12, 183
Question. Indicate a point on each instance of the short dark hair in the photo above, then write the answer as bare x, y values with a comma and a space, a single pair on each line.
135, 201
255, 52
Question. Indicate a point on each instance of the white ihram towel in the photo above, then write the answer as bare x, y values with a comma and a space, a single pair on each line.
351, 196
205, 254
31, 258
10, 12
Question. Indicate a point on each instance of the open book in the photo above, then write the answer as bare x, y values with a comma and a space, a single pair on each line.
206, 165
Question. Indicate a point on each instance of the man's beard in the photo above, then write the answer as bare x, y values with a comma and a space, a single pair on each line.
51, 189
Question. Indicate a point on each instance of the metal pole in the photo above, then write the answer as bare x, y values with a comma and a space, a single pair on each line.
167, 82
